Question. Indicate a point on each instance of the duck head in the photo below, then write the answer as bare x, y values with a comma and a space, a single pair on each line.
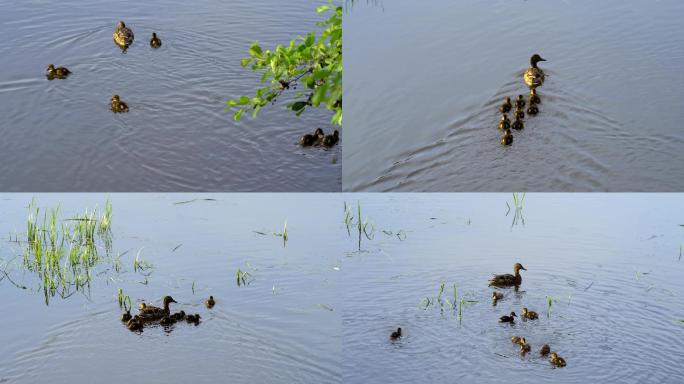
513, 314
524, 311
154, 35
554, 356
168, 300
535, 59
120, 25
504, 118
517, 267
115, 99
50, 68
336, 134
318, 133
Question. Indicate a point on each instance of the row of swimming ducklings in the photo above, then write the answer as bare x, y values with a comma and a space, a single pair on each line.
320, 138
123, 37
514, 280
505, 124
149, 314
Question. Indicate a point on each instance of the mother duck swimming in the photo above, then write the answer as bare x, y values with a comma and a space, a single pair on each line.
534, 76
508, 280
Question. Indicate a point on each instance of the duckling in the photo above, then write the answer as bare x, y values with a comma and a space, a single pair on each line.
532, 110
504, 123
123, 36
519, 114
118, 106
518, 340
167, 320
507, 137
330, 140
557, 360
529, 315
496, 296
195, 319
506, 106
534, 76
518, 124
507, 280
178, 316
311, 139
396, 334
152, 313
125, 317
520, 102
508, 319
142, 305
155, 42
210, 302
544, 350
135, 324
534, 99
524, 348
57, 73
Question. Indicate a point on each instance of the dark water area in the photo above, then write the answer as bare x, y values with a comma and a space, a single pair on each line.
611, 264
60, 135
283, 327
425, 82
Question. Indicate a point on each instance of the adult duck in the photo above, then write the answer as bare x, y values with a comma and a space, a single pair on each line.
152, 313
534, 76
123, 36
508, 280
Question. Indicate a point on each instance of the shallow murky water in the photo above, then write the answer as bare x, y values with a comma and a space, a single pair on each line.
283, 327
61, 135
611, 263
424, 83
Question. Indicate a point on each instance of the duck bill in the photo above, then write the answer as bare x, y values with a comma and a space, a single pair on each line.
523, 268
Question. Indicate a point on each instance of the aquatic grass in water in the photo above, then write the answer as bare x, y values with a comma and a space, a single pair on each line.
518, 205
140, 264
364, 228
243, 277
549, 303
124, 301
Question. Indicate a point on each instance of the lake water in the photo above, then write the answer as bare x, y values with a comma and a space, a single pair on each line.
61, 136
611, 263
423, 83
283, 327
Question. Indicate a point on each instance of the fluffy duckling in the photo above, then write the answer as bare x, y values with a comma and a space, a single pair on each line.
507, 137
123, 36
507, 280
524, 348
519, 114
518, 340
135, 324
311, 139
557, 360
534, 76
544, 350
504, 123
507, 318
520, 102
57, 73
534, 98
529, 315
167, 320
125, 317
532, 110
119, 106
330, 140
195, 319
506, 106
518, 124
396, 334
178, 316
155, 42
496, 296
142, 305
210, 302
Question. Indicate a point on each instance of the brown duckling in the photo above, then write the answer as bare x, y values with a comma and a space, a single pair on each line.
504, 123
178, 316
57, 73
155, 42
519, 114
544, 350
529, 315
524, 348
194, 319
507, 137
532, 110
311, 139
125, 317
518, 124
518, 340
152, 313
507, 318
210, 302
123, 36
506, 106
142, 305
520, 102
496, 296
396, 334
330, 140
118, 106
167, 320
135, 324
507, 280
534, 98
557, 360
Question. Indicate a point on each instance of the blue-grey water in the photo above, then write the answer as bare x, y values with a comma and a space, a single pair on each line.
61, 135
424, 80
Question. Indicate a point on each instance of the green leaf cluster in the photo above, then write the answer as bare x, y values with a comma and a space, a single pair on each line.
310, 66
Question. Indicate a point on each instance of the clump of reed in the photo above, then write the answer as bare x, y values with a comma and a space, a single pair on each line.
518, 200
442, 302
243, 277
363, 228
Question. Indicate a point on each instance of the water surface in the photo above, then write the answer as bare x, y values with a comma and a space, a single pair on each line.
424, 82
61, 135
